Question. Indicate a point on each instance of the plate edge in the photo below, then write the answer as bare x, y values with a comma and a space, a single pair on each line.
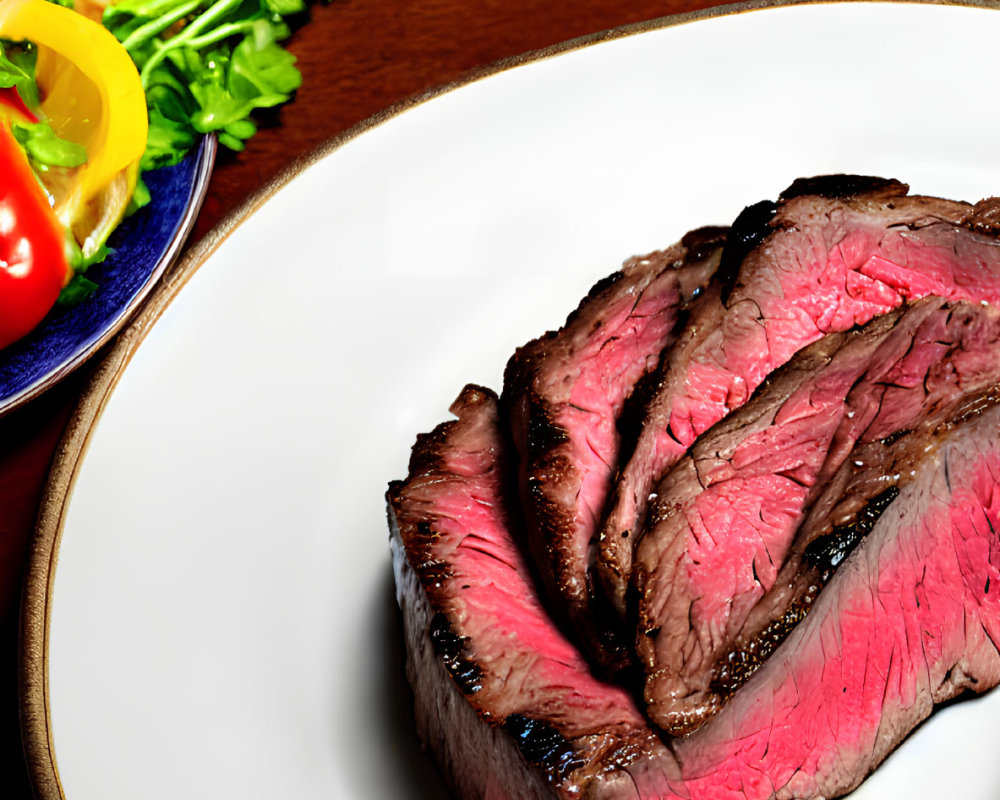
43, 550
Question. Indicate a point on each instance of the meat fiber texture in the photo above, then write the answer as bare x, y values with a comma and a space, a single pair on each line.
833, 254
910, 619
491, 672
564, 394
512, 710
900, 615
728, 514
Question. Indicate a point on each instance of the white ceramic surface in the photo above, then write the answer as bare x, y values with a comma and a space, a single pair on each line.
222, 620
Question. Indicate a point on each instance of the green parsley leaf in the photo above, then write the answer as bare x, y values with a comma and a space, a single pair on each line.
17, 69
77, 290
263, 69
286, 7
206, 66
140, 197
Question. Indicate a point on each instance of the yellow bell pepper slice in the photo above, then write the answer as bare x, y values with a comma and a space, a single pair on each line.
91, 94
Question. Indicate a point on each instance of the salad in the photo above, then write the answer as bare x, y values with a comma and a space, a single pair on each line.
72, 133
92, 97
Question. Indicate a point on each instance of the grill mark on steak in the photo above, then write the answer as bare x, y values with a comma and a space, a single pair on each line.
832, 261
723, 570
563, 396
450, 648
825, 553
748, 230
542, 744
821, 558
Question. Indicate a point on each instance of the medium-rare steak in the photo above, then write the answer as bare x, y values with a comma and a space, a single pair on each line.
833, 253
911, 618
819, 567
563, 395
506, 703
721, 572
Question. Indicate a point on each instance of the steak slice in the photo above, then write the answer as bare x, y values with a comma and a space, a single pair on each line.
506, 703
564, 393
911, 618
834, 252
721, 571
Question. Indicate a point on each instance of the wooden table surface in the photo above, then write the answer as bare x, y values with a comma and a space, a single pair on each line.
358, 58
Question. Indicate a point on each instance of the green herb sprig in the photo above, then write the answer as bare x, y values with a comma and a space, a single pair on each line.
206, 66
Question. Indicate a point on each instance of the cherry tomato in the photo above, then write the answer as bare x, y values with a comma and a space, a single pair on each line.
33, 263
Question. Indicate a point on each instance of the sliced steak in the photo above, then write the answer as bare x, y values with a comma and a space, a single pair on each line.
506, 703
911, 618
833, 253
563, 395
721, 572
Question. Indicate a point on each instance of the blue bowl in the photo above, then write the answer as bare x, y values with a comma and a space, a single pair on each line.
143, 247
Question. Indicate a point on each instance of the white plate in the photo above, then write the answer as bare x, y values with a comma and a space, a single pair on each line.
221, 621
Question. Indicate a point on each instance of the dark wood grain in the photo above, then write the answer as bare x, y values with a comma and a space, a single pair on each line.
358, 58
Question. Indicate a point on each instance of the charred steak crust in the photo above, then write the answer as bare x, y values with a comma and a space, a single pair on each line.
843, 187
479, 640
563, 397
833, 260
749, 229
